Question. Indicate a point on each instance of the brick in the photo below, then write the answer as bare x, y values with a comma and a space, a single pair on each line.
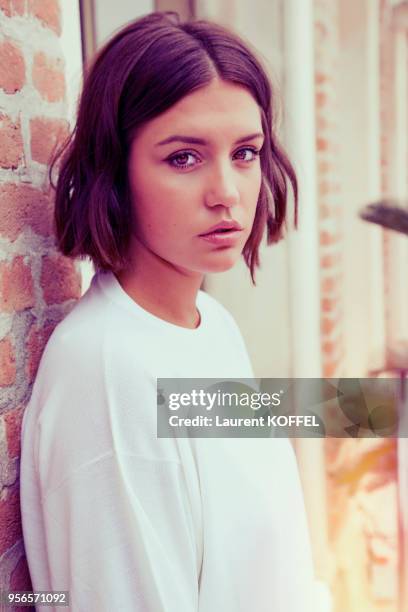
329, 305
330, 260
7, 362
329, 347
325, 167
18, 7
330, 211
12, 68
48, 12
320, 32
326, 238
328, 285
46, 136
328, 325
5, 6
22, 206
11, 143
48, 77
59, 279
322, 124
325, 211
35, 344
10, 520
12, 7
325, 187
321, 99
12, 420
16, 286
331, 368
321, 77
322, 144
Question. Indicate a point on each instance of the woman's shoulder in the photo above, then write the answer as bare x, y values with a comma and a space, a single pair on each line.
80, 331
92, 330
90, 373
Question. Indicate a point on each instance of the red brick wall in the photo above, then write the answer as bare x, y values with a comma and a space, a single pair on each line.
361, 473
328, 183
37, 285
387, 135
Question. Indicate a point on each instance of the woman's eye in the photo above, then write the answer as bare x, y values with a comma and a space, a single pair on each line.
180, 158
255, 153
188, 159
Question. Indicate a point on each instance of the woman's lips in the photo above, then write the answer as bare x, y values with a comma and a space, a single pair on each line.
224, 238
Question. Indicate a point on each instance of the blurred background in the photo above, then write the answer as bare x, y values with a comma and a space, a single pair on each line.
331, 299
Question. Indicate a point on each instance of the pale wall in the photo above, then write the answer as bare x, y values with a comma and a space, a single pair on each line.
262, 313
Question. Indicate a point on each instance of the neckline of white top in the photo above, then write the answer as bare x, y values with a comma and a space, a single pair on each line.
111, 287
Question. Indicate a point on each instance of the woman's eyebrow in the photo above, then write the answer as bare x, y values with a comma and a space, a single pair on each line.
201, 141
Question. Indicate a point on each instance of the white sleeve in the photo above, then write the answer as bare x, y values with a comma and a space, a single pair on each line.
118, 537
118, 529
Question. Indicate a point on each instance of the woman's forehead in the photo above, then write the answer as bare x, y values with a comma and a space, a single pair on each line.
207, 114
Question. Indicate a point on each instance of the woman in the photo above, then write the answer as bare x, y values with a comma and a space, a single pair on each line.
174, 137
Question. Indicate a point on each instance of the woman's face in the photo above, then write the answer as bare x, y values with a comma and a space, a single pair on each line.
192, 167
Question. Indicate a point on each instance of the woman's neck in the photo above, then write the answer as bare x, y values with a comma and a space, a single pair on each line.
162, 289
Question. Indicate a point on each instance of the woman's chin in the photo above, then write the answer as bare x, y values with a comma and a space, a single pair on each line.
222, 263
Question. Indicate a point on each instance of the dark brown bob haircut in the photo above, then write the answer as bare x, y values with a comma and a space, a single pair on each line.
146, 68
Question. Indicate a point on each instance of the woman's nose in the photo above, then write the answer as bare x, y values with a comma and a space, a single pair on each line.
221, 187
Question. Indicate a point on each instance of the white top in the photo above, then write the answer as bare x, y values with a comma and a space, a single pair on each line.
125, 520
